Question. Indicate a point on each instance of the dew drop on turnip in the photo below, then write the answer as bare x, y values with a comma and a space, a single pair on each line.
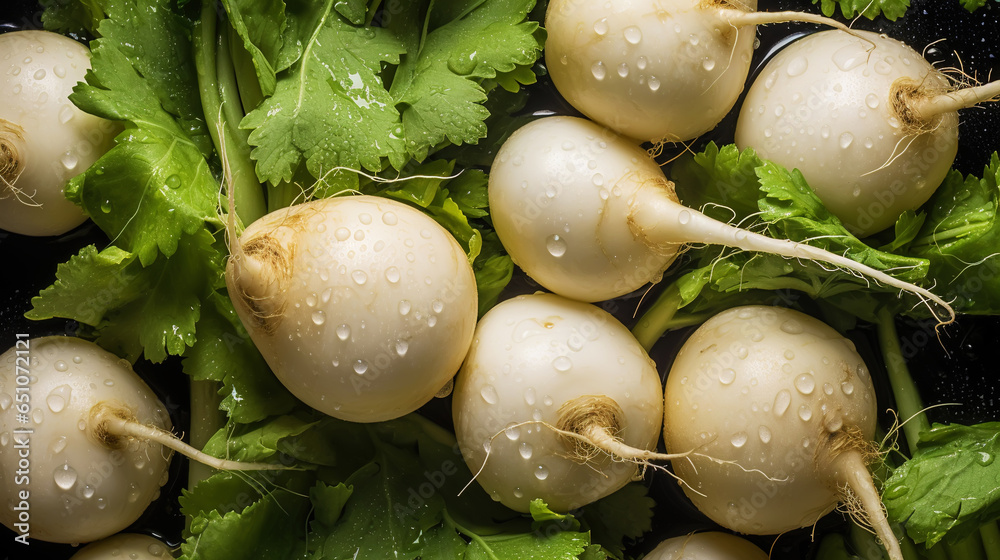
65, 476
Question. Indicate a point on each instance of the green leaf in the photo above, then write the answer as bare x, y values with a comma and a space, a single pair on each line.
314, 113
973, 5
261, 25
891, 9
72, 16
620, 517
961, 236
438, 84
950, 486
154, 186
563, 545
256, 442
87, 286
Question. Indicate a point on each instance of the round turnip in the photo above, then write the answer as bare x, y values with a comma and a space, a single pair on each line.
363, 307
772, 391
125, 546
659, 70
44, 139
556, 401
870, 123
589, 215
712, 545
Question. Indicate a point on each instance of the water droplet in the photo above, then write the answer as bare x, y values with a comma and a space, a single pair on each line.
319, 317
601, 26
683, 217
4, 439
765, 434
88, 491
791, 326
81, 425
77, 359
805, 383
360, 367
708, 64
529, 396
38, 416
342, 234
654, 83
849, 57
541, 472
846, 139
437, 306
742, 352
489, 394
359, 277
102, 503
797, 66
66, 114
623, 70
862, 371
59, 396
598, 179
404, 307
70, 161
58, 445
882, 67
392, 274
739, 439
834, 425
896, 491
562, 364
39, 74
525, 450
512, 431
789, 355
805, 412
633, 35
598, 70
871, 100
856, 192
65, 477
781, 402
985, 459
556, 246
847, 387
155, 550
343, 332
390, 219
727, 376
641, 63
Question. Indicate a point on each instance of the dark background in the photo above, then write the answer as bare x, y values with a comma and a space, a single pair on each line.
947, 373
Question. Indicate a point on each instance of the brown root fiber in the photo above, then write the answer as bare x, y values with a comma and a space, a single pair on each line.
903, 94
581, 415
11, 162
98, 423
272, 266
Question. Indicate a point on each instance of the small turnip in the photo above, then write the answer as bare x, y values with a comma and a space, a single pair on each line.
870, 123
557, 400
712, 545
125, 546
786, 405
363, 307
590, 215
659, 70
44, 139
84, 442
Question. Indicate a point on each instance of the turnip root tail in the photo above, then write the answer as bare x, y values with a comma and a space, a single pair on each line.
657, 218
113, 424
11, 162
741, 18
847, 461
917, 106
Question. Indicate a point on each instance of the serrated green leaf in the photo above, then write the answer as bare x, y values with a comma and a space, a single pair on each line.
891, 9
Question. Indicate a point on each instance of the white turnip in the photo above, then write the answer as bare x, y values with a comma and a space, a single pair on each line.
774, 392
556, 401
712, 545
363, 307
125, 546
659, 70
44, 139
84, 442
590, 216
870, 123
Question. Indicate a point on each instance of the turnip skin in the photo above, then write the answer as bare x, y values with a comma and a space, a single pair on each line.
777, 392
711, 545
363, 307
651, 70
125, 546
531, 356
44, 139
823, 105
81, 489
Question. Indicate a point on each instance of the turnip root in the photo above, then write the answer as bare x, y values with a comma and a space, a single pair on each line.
44, 139
590, 216
556, 401
653, 69
776, 391
712, 545
84, 442
363, 307
125, 546
870, 123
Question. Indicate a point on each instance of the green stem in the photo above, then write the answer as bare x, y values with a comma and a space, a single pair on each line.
908, 404
655, 321
219, 98
206, 420
990, 534
969, 548
472, 536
